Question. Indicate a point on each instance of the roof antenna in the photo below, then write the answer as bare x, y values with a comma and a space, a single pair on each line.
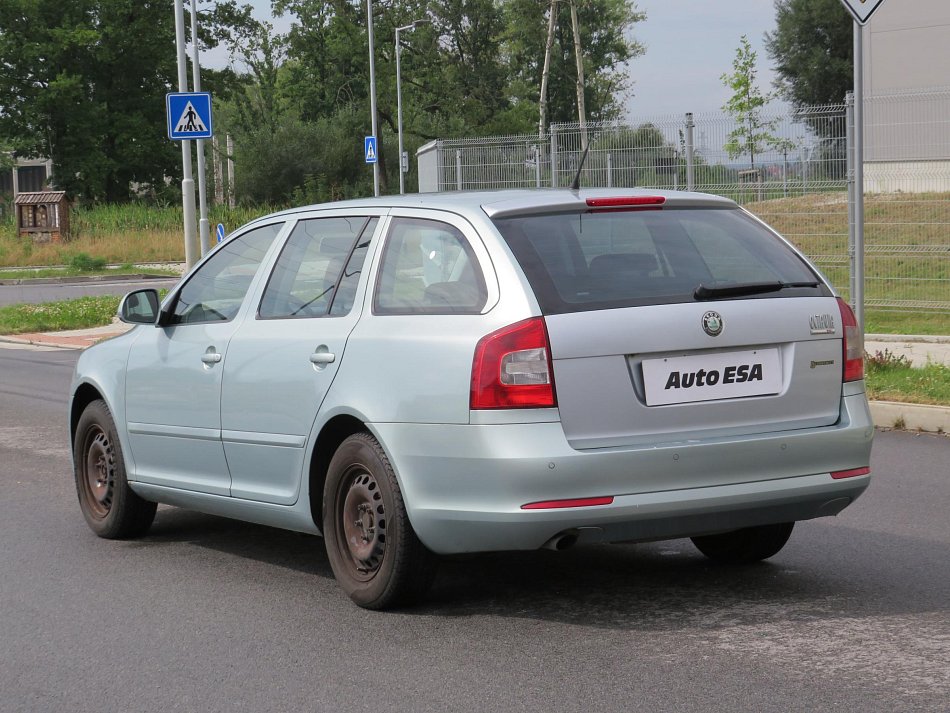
576, 183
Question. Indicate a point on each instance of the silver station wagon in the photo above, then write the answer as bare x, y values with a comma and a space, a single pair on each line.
423, 375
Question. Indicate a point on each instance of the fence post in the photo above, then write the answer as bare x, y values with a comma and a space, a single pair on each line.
690, 169
553, 157
458, 169
610, 165
849, 152
537, 165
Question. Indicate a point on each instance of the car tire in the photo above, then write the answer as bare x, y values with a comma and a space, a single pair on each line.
745, 546
373, 550
110, 507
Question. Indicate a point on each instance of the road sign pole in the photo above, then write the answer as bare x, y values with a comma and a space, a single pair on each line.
203, 225
187, 181
372, 89
858, 296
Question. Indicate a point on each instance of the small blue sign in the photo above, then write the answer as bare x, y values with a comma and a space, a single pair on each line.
369, 149
189, 115
219, 231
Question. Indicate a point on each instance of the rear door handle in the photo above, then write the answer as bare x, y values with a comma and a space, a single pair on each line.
323, 357
211, 358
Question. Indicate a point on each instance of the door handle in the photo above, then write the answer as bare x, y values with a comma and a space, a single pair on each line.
211, 358
323, 357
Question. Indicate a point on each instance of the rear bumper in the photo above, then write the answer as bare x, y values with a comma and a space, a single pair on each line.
464, 485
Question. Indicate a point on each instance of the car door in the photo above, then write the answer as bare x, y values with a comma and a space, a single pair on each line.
173, 386
282, 360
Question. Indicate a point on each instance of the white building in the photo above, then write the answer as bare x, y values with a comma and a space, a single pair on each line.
907, 94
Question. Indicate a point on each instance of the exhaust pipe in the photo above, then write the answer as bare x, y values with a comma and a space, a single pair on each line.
562, 541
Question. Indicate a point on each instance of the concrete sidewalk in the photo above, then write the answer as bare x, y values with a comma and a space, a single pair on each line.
920, 350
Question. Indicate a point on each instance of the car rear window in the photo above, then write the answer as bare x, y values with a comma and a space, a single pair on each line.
603, 260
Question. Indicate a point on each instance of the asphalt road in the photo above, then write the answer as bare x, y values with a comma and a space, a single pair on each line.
207, 614
52, 292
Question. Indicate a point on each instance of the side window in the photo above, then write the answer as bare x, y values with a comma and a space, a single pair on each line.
428, 267
309, 276
215, 292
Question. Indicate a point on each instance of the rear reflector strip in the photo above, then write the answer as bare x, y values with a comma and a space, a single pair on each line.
626, 201
839, 474
576, 503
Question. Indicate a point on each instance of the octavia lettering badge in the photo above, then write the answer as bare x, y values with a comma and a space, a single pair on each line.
712, 324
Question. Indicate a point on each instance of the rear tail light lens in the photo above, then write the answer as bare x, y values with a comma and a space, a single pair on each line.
853, 344
512, 368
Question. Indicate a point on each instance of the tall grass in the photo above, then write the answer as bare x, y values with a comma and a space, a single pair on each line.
127, 233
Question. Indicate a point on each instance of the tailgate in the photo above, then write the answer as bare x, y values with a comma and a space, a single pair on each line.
653, 374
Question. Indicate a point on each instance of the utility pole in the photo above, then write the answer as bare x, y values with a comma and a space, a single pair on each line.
546, 72
187, 181
372, 90
402, 164
203, 229
579, 58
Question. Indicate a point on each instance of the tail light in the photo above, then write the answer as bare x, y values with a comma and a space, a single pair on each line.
512, 368
853, 344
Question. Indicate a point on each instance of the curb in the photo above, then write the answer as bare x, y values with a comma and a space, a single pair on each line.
896, 338
910, 417
81, 280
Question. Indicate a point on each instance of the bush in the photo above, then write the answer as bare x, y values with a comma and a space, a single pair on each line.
86, 263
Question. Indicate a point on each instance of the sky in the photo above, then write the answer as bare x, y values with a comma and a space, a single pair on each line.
689, 45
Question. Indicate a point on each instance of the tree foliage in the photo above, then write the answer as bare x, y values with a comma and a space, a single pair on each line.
813, 50
83, 82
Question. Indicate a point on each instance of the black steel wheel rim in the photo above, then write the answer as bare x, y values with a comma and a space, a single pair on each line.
97, 479
361, 523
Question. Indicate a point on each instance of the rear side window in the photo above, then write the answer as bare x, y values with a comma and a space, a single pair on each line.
428, 267
603, 260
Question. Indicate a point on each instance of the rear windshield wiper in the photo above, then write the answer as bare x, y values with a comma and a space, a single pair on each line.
740, 289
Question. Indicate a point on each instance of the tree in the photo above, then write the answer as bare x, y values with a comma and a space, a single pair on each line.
752, 134
813, 51
83, 83
606, 37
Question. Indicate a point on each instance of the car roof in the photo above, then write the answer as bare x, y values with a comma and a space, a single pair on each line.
509, 202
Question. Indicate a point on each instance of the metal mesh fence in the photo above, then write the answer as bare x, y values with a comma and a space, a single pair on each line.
789, 168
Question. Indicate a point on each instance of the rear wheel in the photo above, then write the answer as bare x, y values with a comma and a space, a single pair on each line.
744, 546
107, 502
373, 550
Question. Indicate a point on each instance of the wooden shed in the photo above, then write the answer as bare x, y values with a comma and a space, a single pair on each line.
44, 216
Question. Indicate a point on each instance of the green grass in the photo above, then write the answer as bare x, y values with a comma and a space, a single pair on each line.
889, 377
58, 316
888, 322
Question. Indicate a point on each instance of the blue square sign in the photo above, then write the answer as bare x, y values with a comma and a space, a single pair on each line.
369, 149
189, 115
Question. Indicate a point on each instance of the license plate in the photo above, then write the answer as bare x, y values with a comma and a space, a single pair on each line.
708, 377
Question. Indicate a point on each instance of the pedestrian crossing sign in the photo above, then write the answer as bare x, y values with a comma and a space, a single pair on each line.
189, 115
369, 149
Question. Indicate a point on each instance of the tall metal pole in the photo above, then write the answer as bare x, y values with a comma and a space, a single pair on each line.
203, 225
402, 166
187, 182
402, 178
372, 90
858, 296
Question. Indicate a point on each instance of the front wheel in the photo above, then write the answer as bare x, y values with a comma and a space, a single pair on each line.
110, 507
745, 546
373, 550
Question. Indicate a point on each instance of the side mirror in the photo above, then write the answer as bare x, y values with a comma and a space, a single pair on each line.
139, 307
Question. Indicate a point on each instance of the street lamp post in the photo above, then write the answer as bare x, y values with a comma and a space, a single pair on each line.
372, 89
402, 165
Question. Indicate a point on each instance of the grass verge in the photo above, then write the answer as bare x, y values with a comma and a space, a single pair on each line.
58, 316
72, 272
891, 377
